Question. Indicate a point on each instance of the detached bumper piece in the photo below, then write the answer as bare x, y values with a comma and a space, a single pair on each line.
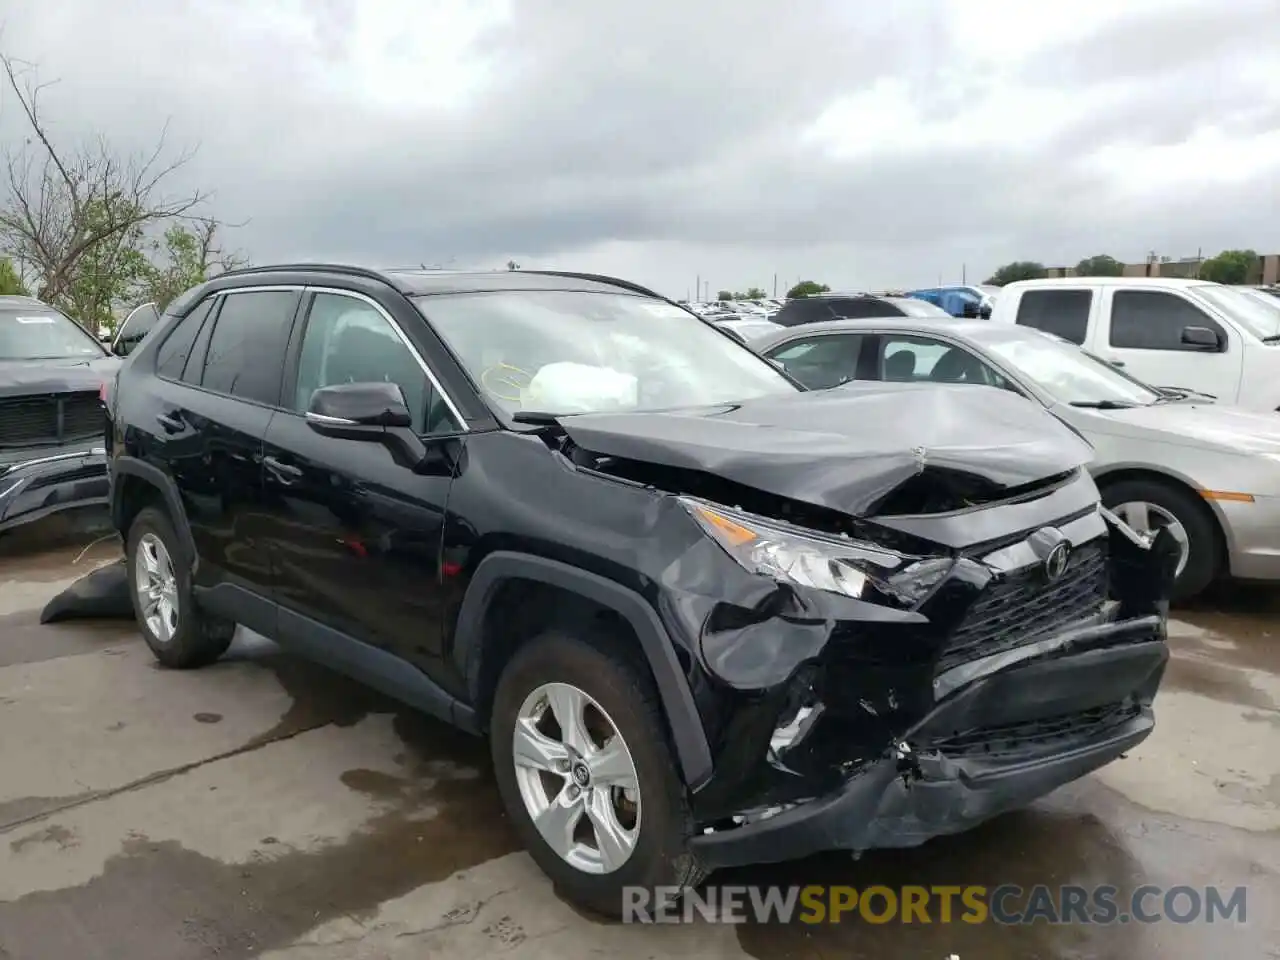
1010, 721
43, 485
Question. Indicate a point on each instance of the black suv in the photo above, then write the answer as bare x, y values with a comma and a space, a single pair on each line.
705, 617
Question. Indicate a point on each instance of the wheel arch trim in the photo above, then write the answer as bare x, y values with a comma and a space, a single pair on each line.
692, 750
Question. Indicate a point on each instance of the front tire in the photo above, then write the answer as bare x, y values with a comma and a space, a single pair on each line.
584, 768
179, 635
1148, 505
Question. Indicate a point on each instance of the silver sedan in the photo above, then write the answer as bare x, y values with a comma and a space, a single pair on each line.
1165, 457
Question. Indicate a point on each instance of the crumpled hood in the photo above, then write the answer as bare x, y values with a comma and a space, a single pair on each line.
846, 448
24, 377
1219, 426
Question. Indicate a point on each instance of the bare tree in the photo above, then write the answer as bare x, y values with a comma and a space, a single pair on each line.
67, 202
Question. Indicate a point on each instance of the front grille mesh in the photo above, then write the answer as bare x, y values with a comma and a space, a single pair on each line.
1033, 735
1020, 607
50, 419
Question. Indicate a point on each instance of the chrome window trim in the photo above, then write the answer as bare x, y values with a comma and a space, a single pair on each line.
463, 427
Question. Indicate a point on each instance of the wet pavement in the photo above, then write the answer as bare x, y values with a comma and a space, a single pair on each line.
265, 807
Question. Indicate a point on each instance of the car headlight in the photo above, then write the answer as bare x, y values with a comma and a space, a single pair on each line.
808, 558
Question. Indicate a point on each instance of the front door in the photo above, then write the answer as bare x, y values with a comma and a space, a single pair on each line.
355, 538
1144, 335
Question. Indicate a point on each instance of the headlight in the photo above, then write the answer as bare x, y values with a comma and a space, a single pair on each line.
807, 558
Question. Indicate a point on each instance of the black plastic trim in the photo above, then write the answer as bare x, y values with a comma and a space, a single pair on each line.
692, 749
127, 466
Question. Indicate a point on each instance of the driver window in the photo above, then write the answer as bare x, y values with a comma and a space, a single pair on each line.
923, 359
347, 340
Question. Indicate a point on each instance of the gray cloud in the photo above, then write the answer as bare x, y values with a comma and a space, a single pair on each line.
663, 128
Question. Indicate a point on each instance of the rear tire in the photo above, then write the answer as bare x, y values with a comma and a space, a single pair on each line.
179, 635
1203, 558
546, 676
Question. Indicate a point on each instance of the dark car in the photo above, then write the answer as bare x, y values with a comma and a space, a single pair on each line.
52, 373
706, 617
856, 306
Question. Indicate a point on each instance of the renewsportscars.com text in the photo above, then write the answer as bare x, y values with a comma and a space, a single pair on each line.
1007, 904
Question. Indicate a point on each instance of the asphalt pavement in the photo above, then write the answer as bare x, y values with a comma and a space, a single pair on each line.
265, 807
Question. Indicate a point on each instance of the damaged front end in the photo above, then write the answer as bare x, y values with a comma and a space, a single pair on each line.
905, 609
881, 696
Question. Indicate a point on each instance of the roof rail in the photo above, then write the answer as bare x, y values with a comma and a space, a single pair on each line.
601, 278
346, 268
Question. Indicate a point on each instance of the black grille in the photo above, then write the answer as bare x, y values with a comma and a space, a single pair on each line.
50, 419
1036, 735
1020, 607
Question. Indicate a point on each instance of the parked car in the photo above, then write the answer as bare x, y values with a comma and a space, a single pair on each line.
140, 321
1207, 472
52, 372
822, 307
1184, 333
964, 300
747, 328
705, 617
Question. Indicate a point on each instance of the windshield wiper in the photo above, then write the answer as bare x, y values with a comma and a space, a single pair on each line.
537, 418
1274, 338
1104, 404
1172, 394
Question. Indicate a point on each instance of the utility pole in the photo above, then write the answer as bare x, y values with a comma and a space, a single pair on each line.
964, 274
775, 286
697, 287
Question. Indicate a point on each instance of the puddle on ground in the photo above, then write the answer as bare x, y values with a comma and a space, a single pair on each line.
158, 899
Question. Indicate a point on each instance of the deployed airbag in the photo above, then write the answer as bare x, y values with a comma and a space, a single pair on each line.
579, 388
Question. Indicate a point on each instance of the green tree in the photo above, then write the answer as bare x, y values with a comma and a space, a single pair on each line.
726, 295
1018, 270
1101, 265
10, 280
753, 293
1230, 266
106, 273
186, 256
807, 288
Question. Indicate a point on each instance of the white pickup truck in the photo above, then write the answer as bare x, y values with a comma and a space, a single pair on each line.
1166, 332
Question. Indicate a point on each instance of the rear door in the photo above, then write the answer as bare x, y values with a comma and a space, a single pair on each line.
1142, 331
218, 382
820, 361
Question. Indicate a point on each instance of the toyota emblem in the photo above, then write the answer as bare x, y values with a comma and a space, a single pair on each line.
1055, 564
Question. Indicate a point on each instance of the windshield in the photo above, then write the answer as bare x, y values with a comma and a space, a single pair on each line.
1255, 314
1065, 371
568, 352
38, 332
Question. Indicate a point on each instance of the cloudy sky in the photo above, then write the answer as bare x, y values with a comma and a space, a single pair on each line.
860, 144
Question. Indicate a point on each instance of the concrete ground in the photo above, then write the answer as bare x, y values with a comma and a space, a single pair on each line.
265, 807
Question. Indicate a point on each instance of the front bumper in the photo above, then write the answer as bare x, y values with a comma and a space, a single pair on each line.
1253, 537
1016, 729
44, 483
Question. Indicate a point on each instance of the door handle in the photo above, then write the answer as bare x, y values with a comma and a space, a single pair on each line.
172, 422
285, 472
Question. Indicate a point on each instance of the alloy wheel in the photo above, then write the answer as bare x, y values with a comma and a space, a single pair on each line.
1149, 518
157, 587
577, 778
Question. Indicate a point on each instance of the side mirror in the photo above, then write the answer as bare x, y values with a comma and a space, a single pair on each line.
377, 404
985, 311
1202, 338
371, 412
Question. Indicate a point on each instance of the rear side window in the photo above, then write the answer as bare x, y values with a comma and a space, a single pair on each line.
246, 352
1061, 312
1154, 320
171, 358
